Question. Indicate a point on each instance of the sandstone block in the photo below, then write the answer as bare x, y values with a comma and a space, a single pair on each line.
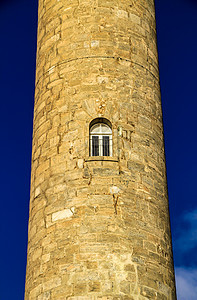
63, 214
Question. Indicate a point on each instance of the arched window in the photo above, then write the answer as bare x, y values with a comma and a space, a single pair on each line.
100, 138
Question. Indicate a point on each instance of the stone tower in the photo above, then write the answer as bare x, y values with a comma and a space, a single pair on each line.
99, 221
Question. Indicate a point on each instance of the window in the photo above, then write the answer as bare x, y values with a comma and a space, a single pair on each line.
100, 138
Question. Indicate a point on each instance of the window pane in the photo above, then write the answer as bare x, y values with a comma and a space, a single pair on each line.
105, 128
96, 128
105, 145
95, 146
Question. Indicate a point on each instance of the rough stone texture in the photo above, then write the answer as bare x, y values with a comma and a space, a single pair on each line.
98, 227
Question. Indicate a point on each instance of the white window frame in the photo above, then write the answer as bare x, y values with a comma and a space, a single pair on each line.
98, 130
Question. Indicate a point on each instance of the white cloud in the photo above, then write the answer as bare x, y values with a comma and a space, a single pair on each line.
186, 283
187, 239
186, 242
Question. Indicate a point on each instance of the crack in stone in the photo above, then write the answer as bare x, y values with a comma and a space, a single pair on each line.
115, 200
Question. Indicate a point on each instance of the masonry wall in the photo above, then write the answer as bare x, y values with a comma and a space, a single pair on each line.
98, 226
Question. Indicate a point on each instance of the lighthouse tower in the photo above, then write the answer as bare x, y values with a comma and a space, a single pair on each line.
99, 220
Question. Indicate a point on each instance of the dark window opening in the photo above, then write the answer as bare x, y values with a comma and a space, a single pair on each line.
105, 145
95, 146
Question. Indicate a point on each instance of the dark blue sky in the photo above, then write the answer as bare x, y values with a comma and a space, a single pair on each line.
177, 45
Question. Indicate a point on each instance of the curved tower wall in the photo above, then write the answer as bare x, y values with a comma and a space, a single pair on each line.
98, 226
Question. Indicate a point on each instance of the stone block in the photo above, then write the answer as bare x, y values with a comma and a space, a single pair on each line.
52, 283
62, 214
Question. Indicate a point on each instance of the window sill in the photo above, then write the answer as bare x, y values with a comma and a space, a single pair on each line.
101, 158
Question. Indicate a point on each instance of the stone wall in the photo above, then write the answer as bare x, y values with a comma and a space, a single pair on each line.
98, 226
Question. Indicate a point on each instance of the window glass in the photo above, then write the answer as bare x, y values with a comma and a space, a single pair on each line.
95, 146
106, 145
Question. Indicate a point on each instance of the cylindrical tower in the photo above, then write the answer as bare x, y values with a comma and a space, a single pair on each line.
99, 221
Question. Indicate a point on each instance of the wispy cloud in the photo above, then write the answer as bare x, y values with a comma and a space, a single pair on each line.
186, 283
185, 245
187, 237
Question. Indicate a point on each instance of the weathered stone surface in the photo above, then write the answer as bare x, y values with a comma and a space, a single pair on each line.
98, 226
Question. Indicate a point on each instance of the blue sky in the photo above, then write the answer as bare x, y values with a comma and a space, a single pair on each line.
177, 45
